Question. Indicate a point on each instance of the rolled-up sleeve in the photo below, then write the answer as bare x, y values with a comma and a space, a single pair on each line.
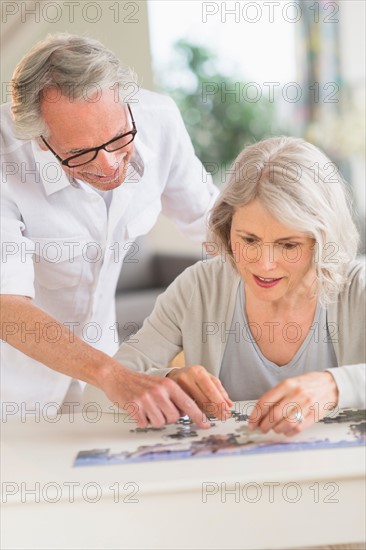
351, 383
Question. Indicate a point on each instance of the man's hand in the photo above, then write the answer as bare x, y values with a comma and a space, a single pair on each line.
295, 404
206, 390
150, 399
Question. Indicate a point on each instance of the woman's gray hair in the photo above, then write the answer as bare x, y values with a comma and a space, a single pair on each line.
302, 188
74, 66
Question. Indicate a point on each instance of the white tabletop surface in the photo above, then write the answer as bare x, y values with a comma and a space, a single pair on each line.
160, 504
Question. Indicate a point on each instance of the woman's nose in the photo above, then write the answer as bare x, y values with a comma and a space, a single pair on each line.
267, 256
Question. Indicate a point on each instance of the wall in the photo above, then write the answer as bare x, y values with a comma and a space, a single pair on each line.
122, 26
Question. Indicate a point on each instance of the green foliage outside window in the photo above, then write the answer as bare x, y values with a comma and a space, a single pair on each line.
221, 115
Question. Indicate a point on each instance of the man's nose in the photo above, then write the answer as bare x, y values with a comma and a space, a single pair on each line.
106, 161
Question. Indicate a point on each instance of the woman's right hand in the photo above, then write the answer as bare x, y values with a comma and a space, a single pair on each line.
205, 389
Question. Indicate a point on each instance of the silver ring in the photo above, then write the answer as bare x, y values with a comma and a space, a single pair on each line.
299, 417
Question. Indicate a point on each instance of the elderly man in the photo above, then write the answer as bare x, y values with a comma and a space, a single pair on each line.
88, 162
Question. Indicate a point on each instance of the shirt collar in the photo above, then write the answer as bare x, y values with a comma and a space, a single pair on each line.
141, 156
52, 175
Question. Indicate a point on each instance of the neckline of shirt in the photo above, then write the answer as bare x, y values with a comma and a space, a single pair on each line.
264, 359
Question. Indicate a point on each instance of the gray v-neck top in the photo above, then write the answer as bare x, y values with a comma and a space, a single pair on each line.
245, 372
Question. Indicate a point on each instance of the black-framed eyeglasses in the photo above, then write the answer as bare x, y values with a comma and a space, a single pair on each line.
89, 155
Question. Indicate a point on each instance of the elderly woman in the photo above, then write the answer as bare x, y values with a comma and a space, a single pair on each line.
278, 315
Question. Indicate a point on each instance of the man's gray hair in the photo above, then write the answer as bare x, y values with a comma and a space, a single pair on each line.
75, 66
300, 187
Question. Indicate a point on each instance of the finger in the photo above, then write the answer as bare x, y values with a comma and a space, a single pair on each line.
170, 411
308, 421
258, 415
187, 406
194, 391
282, 417
293, 421
266, 404
154, 414
221, 388
207, 406
295, 429
214, 397
135, 412
266, 419
197, 383
190, 387
140, 418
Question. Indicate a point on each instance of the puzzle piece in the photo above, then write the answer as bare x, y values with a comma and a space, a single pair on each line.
145, 430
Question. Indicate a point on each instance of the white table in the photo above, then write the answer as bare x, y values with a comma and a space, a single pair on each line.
281, 500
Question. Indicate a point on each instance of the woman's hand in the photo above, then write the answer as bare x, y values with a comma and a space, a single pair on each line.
295, 404
205, 389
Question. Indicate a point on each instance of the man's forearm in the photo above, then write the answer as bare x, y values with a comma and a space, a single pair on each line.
38, 335
156, 401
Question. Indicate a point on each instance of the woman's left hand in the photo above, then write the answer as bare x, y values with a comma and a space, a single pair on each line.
295, 404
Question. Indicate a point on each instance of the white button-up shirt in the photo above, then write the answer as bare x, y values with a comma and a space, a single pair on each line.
64, 249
